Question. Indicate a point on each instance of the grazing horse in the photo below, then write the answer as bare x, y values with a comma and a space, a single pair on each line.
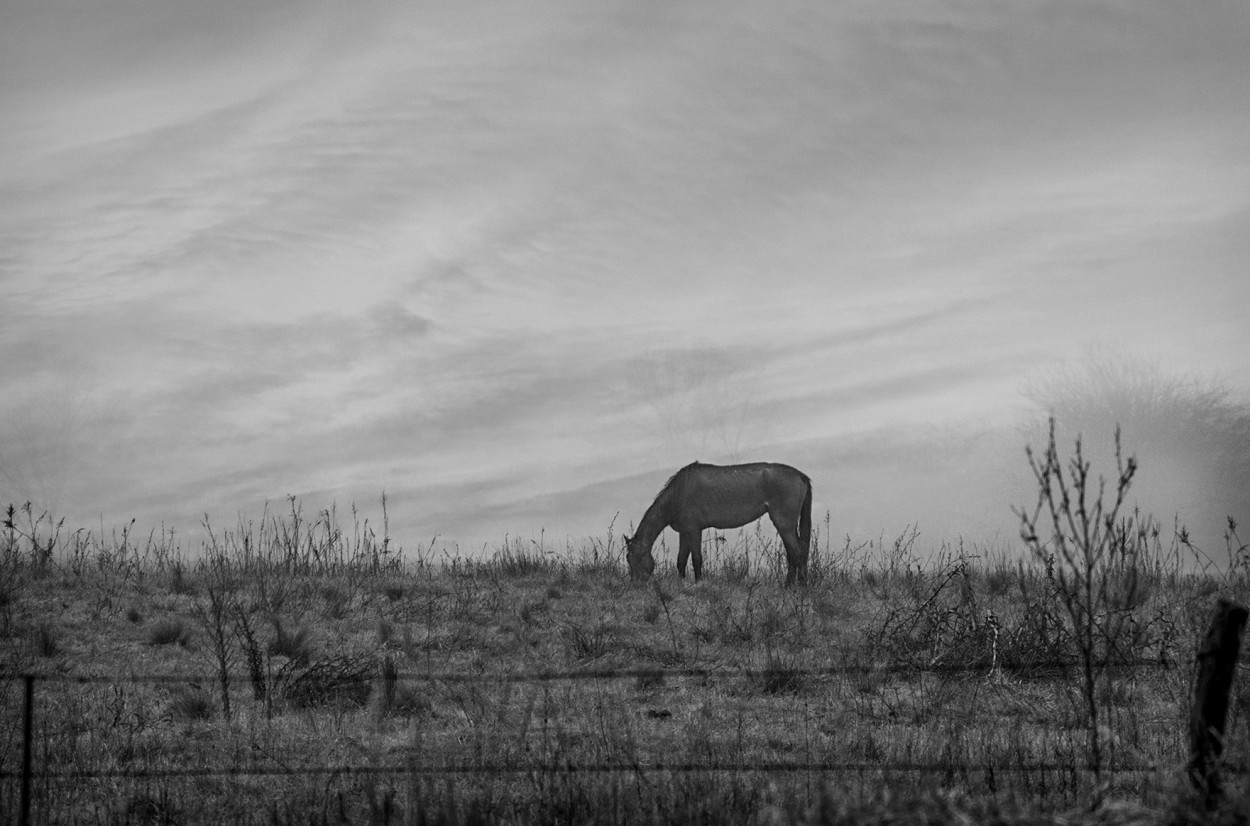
714, 496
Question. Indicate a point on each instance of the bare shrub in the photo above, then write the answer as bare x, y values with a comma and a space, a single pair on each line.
940, 622
1039, 641
342, 679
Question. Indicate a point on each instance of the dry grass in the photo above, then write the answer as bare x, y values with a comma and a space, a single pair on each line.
536, 688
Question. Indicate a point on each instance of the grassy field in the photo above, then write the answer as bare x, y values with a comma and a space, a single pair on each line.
299, 670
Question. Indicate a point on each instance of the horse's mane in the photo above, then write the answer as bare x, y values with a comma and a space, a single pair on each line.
673, 479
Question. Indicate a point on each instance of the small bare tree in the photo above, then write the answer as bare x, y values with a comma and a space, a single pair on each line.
216, 612
1091, 556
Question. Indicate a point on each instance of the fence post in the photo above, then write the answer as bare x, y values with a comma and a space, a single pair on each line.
1217, 660
28, 726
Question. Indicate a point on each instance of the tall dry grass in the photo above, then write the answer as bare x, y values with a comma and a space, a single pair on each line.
323, 674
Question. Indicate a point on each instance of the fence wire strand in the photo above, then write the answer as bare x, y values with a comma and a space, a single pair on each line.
763, 767
621, 673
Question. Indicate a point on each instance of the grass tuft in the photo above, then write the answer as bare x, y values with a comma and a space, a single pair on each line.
192, 704
168, 632
781, 675
588, 643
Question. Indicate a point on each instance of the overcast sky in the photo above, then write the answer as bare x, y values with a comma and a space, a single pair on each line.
514, 263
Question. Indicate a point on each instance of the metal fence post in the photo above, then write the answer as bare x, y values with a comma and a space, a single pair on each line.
28, 727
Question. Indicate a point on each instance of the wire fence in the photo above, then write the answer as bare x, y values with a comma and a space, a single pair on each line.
549, 676
1070, 773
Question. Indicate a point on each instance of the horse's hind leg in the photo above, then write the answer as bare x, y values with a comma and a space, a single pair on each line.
796, 556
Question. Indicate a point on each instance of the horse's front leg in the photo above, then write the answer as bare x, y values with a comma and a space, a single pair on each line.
692, 547
683, 553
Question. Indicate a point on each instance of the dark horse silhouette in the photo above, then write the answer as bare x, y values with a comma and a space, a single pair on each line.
714, 496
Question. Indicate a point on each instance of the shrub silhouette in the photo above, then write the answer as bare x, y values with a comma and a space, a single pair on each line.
1191, 435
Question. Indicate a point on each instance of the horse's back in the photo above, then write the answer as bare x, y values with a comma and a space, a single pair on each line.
729, 496
772, 477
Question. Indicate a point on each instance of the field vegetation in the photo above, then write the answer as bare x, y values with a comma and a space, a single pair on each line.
298, 669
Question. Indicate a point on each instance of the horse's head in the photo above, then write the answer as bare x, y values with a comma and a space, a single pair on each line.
641, 562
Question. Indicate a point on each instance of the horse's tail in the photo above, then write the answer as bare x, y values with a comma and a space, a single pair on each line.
805, 521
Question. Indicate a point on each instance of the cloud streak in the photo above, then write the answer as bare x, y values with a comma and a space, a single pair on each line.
509, 260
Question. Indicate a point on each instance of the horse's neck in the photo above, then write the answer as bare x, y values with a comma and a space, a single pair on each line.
655, 520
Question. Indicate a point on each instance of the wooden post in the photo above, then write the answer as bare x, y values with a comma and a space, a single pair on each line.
1217, 660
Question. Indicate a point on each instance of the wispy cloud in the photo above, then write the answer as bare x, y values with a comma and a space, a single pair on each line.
509, 259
